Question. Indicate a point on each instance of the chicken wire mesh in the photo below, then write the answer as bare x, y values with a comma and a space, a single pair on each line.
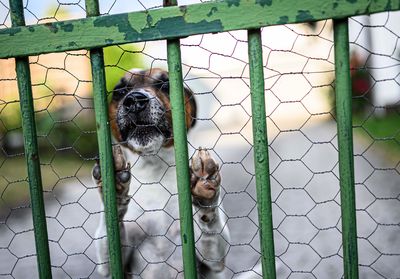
299, 84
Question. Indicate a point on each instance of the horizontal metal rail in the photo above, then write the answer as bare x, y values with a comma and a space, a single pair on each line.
176, 22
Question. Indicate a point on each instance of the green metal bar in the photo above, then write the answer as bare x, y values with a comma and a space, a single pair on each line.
31, 151
261, 160
181, 158
345, 139
181, 154
105, 150
174, 22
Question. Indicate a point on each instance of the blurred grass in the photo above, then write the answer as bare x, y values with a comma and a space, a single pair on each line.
55, 168
385, 129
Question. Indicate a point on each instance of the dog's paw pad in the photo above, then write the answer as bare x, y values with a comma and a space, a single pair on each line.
96, 172
205, 177
124, 176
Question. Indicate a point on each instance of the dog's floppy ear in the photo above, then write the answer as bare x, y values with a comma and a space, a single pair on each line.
189, 97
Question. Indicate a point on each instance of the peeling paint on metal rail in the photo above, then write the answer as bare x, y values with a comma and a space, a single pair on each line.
176, 22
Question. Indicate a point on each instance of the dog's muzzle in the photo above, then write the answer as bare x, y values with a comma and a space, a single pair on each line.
135, 102
141, 118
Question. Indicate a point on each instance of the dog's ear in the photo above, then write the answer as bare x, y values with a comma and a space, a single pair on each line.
189, 98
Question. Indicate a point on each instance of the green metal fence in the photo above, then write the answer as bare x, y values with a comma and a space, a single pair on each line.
173, 23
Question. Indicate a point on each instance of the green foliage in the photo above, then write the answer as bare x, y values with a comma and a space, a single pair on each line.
10, 117
118, 60
60, 11
385, 128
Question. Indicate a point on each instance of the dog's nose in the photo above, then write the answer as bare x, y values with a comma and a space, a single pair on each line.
136, 102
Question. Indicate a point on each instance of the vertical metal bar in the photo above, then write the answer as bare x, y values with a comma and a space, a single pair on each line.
181, 157
31, 150
181, 154
261, 160
105, 150
345, 138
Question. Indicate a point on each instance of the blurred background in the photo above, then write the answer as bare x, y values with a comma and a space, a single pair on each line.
299, 89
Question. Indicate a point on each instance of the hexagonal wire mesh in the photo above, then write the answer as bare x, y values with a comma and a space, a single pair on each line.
299, 79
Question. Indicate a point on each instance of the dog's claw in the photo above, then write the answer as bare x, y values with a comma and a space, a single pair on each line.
203, 164
196, 162
119, 158
205, 178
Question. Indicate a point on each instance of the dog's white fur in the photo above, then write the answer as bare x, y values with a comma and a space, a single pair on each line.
154, 183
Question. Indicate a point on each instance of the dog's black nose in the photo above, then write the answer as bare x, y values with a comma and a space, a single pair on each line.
135, 102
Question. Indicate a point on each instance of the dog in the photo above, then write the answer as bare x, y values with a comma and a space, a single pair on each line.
141, 124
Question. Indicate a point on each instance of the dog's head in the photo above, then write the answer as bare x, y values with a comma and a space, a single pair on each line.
140, 111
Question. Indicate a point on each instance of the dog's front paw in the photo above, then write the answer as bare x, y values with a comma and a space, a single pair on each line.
205, 178
122, 174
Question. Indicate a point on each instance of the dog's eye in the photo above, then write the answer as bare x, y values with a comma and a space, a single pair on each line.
118, 94
120, 90
165, 86
161, 82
